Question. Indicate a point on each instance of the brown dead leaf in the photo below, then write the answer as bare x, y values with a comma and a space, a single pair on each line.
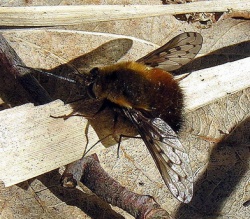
221, 170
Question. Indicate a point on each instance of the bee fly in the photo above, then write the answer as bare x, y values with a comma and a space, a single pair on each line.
147, 95
152, 100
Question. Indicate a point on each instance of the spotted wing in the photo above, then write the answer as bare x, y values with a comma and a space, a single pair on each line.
168, 153
176, 53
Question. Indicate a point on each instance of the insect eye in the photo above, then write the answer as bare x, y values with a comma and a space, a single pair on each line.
94, 72
90, 91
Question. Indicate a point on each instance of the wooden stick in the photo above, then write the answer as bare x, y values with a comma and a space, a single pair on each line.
41, 142
200, 88
72, 15
11, 62
89, 171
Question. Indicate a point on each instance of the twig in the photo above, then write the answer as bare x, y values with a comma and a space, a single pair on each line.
72, 15
88, 171
10, 62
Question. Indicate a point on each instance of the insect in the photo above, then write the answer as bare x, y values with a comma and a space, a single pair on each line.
148, 96
152, 100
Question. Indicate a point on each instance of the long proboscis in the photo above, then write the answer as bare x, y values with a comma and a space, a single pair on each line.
49, 74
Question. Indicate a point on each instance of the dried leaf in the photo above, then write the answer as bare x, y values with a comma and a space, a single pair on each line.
221, 168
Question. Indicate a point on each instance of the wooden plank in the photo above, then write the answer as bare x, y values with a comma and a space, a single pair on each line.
205, 86
32, 143
72, 15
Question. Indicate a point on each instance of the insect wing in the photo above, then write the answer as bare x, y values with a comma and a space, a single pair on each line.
167, 152
176, 53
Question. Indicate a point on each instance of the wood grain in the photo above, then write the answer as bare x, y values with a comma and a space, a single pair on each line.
72, 15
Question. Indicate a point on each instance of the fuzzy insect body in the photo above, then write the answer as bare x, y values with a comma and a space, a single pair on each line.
149, 97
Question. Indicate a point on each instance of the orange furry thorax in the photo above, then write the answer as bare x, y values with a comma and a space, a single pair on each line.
134, 85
